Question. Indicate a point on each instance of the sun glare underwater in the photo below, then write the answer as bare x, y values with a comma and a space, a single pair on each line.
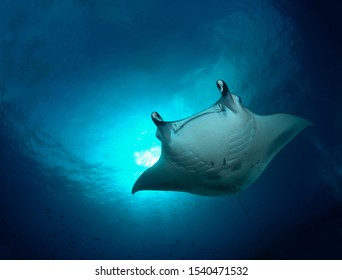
78, 83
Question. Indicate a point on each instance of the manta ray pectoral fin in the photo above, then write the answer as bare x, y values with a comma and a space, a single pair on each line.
162, 177
275, 131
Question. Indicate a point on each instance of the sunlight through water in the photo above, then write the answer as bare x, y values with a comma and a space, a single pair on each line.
147, 158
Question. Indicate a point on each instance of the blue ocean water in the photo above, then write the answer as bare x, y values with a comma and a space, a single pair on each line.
78, 82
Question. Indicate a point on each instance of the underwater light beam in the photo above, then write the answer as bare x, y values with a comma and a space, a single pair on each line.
147, 158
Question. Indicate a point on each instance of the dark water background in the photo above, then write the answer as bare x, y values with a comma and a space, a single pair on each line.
78, 81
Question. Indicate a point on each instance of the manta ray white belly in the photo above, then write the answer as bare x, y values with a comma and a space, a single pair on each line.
219, 151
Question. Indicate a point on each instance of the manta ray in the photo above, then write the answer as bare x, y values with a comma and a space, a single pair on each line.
219, 151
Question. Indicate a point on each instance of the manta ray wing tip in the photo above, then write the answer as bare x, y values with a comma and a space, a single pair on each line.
134, 190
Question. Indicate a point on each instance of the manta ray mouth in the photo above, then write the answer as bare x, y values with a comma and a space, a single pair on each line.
190, 119
166, 128
158, 120
218, 107
225, 103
